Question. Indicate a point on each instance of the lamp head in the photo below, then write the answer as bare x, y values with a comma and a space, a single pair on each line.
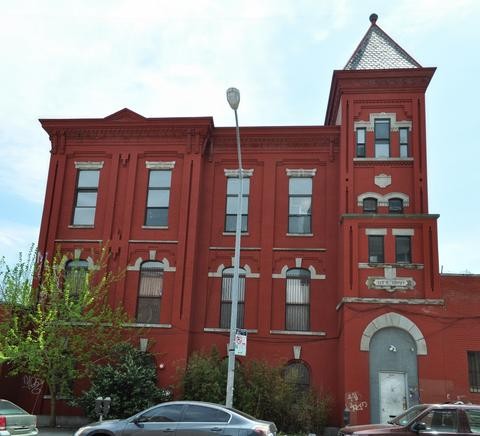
233, 98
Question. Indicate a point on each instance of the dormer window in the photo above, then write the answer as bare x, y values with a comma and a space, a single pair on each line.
382, 137
395, 205
370, 205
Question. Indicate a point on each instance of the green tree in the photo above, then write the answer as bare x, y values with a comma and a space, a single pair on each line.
129, 379
56, 323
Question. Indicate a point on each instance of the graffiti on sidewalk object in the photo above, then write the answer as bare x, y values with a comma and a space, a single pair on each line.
354, 402
33, 384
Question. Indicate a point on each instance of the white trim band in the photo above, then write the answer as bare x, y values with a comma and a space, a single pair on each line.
89, 165
160, 165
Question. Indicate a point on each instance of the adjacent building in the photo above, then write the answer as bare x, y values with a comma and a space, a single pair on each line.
339, 261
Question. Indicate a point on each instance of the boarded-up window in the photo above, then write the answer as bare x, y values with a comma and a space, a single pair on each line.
298, 300
150, 292
226, 301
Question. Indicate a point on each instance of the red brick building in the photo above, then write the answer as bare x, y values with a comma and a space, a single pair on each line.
339, 250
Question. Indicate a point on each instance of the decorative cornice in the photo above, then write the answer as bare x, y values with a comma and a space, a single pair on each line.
374, 81
267, 142
133, 132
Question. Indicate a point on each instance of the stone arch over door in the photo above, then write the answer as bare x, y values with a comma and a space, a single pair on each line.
393, 342
393, 319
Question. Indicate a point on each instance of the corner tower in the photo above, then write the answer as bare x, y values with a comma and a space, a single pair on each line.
388, 254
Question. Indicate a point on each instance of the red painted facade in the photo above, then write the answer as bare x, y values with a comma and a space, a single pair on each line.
353, 300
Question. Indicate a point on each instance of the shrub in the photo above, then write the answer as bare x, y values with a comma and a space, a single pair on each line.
205, 378
129, 379
261, 390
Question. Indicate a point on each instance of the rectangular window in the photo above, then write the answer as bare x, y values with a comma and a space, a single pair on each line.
298, 300
158, 198
300, 205
86, 197
233, 187
404, 142
361, 142
474, 370
226, 300
382, 137
375, 249
403, 249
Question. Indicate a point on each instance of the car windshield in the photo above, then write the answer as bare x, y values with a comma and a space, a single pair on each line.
409, 415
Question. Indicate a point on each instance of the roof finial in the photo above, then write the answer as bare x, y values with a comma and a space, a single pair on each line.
373, 19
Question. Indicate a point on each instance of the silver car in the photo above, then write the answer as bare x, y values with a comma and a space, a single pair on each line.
183, 418
14, 421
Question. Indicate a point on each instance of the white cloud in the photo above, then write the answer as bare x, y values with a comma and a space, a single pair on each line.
164, 58
16, 238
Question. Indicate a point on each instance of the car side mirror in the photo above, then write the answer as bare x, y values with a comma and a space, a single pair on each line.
139, 420
419, 426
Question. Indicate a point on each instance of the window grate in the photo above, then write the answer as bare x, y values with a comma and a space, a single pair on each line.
150, 292
474, 370
226, 298
297, 301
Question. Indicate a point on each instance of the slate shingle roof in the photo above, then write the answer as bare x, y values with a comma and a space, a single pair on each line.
378, 51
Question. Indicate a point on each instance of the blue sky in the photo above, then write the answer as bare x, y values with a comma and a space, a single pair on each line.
164, 59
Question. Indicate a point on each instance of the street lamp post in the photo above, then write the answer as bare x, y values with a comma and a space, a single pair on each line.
233, 97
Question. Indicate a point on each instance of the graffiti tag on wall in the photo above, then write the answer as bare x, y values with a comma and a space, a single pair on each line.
354, 402
33, 384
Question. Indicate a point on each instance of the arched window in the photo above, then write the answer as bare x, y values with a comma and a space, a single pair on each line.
150, 292
298, 374
297, 301
75, 275
395, 205
369, 205
226, 300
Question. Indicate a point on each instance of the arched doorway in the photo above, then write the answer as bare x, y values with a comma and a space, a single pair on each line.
393, 343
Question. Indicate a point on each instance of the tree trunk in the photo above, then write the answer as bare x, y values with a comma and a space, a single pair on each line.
53, 407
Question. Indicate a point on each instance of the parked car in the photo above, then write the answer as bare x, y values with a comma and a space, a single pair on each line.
14, 421
183, 418
447, 419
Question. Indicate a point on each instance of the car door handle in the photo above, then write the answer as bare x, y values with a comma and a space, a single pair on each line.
216, 429
168, 430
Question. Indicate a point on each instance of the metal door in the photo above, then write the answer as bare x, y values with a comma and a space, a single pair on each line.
393, 394
392, 351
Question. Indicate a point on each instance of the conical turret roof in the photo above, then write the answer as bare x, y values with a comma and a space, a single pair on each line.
377, 51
